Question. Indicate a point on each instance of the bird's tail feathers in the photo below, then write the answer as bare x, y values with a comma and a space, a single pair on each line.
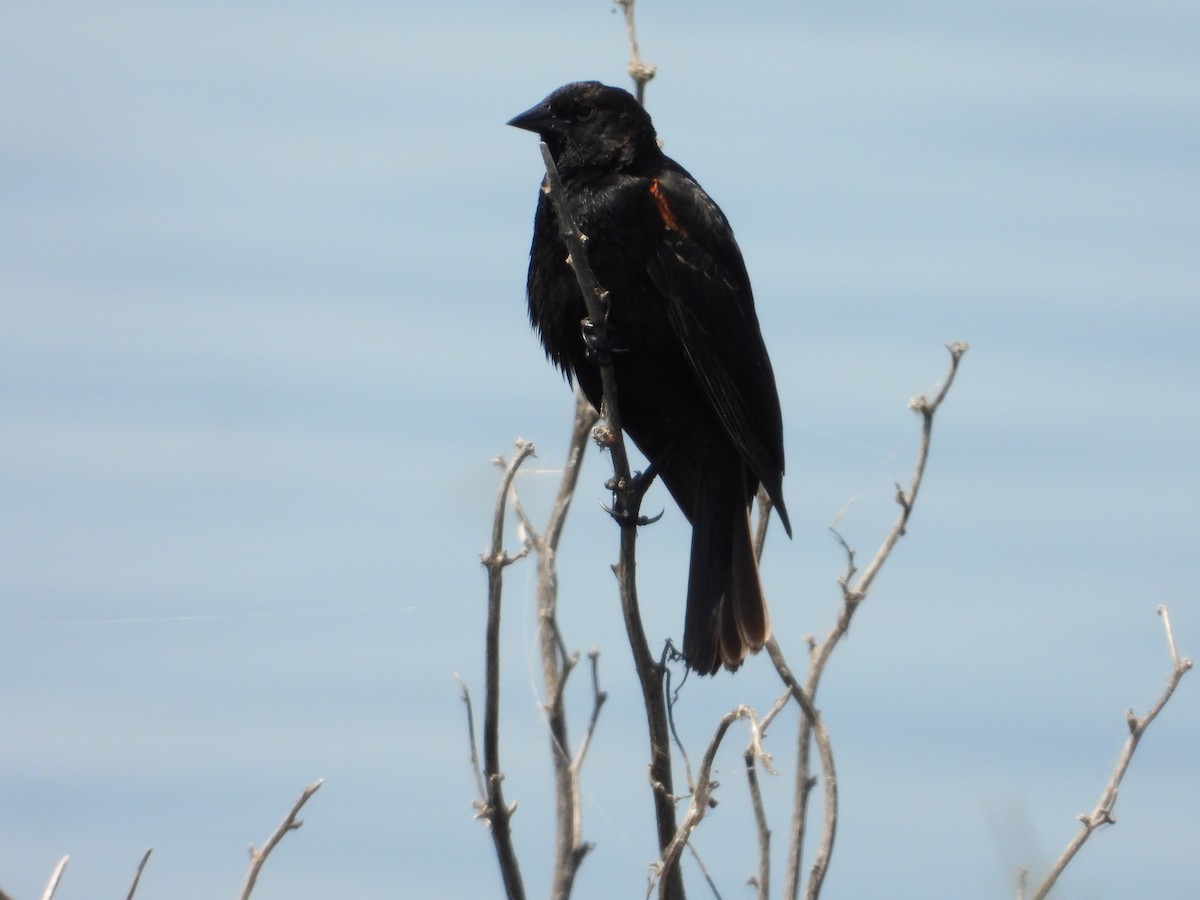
745, 603
727, 616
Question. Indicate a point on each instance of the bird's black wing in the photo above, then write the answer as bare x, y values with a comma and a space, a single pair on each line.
699, 271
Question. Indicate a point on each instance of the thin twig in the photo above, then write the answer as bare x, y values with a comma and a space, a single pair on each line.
497, 559
481, 804
496, 812
708, 879
598, 699
671, 694
137, 876
1101, 814
853, 594
639, 71
55, 877
557, 662
763, 880
813, 725
582, 424
290, 823
927, 408
777, 707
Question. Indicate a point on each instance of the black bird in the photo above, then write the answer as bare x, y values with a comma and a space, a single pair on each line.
694, 383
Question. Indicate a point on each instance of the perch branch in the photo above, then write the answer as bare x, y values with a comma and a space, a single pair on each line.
627, 494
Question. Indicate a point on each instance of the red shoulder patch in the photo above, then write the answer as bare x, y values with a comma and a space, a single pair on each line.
664, 208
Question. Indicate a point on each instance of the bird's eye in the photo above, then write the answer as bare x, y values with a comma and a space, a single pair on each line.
584, 113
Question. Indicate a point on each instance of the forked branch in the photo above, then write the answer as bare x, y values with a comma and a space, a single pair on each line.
702, 794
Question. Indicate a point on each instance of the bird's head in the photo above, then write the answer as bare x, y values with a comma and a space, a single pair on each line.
588, 125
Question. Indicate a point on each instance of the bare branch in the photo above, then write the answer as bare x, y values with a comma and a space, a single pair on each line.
495, 811
481, 804
777, 707
1101, 814
1177, 663
763, 880
708, 879
812, 724
137, 876
672, 697
525, 528
584, 420
627, 497
55, 877
290, 823
497, 559
639, 71
598, 699
558, 662
853, 594
571, 853
906, 500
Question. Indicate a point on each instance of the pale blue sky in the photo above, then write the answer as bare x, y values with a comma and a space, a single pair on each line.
261, 274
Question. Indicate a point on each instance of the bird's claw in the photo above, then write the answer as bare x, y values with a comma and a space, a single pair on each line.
637, 485
598, 340
627, 497
624, 516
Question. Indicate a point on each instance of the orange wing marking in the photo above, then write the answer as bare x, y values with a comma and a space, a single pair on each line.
664, 208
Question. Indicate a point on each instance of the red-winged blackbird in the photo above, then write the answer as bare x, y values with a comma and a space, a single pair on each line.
694, 383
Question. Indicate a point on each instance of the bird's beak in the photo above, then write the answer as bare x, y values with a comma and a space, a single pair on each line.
538, 119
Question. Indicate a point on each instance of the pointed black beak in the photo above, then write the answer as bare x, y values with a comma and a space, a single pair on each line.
539, 119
